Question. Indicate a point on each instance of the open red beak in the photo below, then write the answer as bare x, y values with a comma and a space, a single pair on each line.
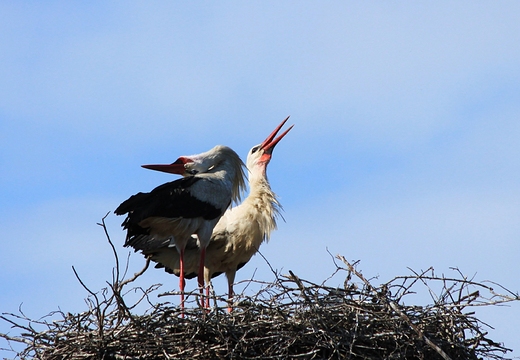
176, 167
269, 143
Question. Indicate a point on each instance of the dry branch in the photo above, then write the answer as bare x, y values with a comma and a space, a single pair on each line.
290, 318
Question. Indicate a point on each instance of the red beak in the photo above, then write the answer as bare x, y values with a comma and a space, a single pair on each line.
269, 143
176, 167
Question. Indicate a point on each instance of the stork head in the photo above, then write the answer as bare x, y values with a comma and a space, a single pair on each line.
205, 162
184, 165
261, 154
219, 159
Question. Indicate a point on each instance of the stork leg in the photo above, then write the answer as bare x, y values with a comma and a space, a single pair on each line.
200, 277
231, 280
230, 297
182, 282
207, 295
208, 285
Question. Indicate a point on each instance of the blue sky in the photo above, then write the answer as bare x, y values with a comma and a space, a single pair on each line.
404, 151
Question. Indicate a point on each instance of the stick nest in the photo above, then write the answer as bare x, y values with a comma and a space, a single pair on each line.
289, 318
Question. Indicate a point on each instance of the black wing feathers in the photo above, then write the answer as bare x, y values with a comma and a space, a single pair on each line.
170, 200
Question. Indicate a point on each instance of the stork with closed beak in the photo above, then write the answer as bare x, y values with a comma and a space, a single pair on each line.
239, 233
169, 214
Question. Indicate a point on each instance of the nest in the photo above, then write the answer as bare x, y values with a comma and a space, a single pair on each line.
289, 318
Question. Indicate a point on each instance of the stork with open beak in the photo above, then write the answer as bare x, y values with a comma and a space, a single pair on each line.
240, 232
171, 213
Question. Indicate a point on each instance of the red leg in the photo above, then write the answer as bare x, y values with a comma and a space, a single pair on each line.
182, 282
207, 296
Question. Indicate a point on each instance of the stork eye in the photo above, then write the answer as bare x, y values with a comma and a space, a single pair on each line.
192, 172
255, 149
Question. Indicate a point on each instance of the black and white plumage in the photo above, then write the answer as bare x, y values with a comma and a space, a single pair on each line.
241, 230
171, 213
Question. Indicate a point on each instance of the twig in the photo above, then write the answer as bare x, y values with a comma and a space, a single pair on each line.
288, 318
395, 307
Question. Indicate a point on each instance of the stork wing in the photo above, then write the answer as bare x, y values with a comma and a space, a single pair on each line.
171, 200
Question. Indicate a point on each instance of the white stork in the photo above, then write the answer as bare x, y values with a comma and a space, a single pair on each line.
239, 233
172, 212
